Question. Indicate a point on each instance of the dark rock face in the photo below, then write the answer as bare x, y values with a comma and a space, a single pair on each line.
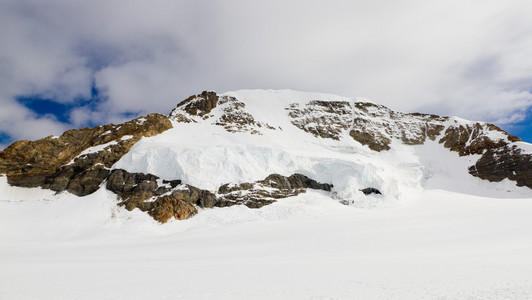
267, 191
473, 139
199, 105
502, 163
233, 118
295, 181
367, 123
166, 207
499, 160
376, 125
325, 119
86, 182
236, 119
370, 190
162, 202
58, 163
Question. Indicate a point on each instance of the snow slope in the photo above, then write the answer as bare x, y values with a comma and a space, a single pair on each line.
435, 245
208, 156
436, 233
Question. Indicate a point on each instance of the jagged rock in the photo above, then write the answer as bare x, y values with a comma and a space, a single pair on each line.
233, 118
172, 183
376, 125
228, 188
264, 192
134, 187
473, 138
295, 181
370, 190
499, 160
166, 207
236, 119
499, 164
375, 141
369, 124
326, 119
193, 195
53, 162
197, 105
87, 182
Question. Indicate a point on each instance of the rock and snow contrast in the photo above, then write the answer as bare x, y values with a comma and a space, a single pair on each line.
269, 194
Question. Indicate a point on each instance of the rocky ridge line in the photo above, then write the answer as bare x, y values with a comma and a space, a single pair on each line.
233, 115
166, 199
79, 160
376, 126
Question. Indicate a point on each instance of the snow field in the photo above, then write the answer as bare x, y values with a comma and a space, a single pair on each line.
437, 244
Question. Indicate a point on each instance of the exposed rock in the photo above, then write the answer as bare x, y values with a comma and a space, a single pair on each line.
138, 190
134, 188
233, 117
369, 124
267, 191
236, 119
295, 181
199, 105
166, 207
502, 163
500, 159
475, 138
326, 119
53, 162
370, 190
375, 141
376, 125
86, 182
193, 195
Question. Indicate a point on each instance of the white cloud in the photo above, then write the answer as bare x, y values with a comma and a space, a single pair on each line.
467, 58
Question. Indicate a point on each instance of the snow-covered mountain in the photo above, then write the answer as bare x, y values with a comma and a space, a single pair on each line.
254, 147
269, 195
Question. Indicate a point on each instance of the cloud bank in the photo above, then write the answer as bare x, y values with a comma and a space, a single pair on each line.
466, 58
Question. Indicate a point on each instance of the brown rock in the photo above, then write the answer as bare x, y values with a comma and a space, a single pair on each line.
166, 207
52, 163
199, 105
502, 163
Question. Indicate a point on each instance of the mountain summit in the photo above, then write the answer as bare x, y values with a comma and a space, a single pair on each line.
256, 147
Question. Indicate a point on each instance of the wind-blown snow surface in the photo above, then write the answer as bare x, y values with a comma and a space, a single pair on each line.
435, 245
437, 233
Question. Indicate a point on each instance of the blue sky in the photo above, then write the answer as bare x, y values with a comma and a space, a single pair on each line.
522, 129
71, 64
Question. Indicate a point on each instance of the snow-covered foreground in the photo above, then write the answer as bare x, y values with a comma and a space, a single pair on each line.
434, 244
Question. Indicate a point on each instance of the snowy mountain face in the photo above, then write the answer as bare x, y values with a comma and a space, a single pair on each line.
256, 147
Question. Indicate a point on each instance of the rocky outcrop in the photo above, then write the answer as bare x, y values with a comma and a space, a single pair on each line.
267, 191
162, 199
79, 159
370, 190
505, 162
236, 119
500, 158
198, 105
376, 125
369, 124
475, 138
233, 116
325, 119
168, 206
166, 199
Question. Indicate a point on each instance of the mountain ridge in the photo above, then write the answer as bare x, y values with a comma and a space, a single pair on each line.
261, 135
